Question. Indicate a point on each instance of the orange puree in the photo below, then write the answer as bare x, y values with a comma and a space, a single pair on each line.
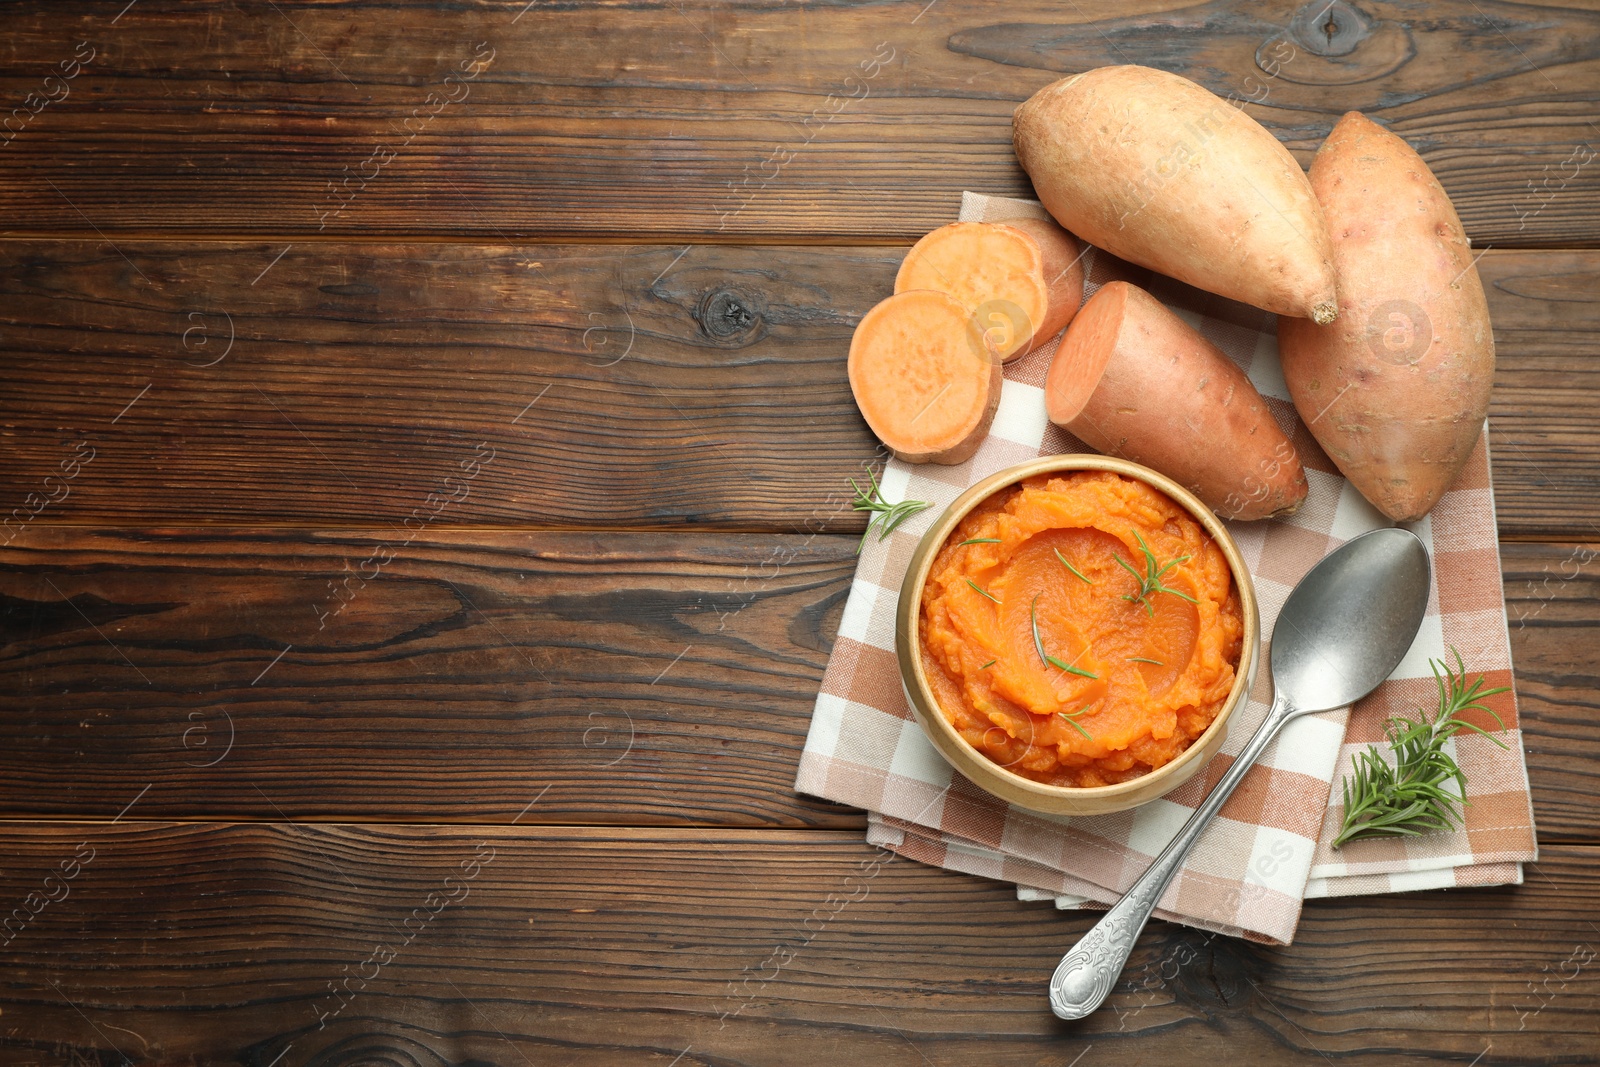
985, 666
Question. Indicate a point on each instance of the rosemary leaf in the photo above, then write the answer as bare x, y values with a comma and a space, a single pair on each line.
1033, 619
1070, 567
1141, 659
1070, 669
979, 541
1072, 720
982, 590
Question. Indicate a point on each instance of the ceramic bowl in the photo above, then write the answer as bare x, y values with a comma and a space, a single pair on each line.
991, 776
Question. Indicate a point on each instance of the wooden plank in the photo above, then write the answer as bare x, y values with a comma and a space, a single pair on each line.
609, 385
1552, 597
653, 678
1543, 307
229, 943
499, 118
612, 385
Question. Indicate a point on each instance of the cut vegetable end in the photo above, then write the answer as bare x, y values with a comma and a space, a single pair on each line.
922, 387
1325, 313
1085, 351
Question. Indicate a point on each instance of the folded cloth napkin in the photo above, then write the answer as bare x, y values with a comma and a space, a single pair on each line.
1268, 849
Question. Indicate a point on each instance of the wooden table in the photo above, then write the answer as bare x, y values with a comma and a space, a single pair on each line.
429, 430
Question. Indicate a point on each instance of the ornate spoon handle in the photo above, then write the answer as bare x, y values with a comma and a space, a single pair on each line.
1084, 978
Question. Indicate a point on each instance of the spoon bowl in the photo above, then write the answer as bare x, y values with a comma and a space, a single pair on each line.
1338, 636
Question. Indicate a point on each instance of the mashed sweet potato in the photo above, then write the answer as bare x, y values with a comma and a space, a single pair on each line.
1051, 658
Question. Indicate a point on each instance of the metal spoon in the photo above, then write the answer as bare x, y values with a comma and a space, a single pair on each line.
1343, 630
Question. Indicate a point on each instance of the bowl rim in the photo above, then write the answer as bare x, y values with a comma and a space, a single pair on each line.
908, 635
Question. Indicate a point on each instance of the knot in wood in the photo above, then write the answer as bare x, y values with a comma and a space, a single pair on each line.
725, 314
1329, 29
1206, 976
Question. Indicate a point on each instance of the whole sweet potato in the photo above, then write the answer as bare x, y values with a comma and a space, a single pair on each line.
1396, 390
1155, 169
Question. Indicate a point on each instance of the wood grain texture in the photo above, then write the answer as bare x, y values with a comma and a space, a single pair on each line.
654, 679
1552, 595
601, 385
300, 118
430, 946
1542, 305
613, 385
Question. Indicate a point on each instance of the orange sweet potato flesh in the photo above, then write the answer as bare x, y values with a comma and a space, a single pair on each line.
1021, 279
922, 378
1397, 388
1134, 380
1161, 172
1160, 676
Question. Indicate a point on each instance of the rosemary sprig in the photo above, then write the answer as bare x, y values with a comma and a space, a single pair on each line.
1070, 567
1033, 618
1409, 798
982, 590
885, 516
1150, 581
979, 541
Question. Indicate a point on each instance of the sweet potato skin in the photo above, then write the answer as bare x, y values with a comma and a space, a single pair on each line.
1163, 173
1397, 388
1168, 398
1062, 259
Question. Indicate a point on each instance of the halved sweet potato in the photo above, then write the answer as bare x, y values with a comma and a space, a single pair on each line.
1134, 380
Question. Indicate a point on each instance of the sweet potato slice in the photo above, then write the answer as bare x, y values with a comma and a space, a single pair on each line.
1396, 389
1131, 379
1022, 280
922, 378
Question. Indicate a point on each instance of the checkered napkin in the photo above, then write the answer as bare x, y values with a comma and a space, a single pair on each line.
1268, 848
